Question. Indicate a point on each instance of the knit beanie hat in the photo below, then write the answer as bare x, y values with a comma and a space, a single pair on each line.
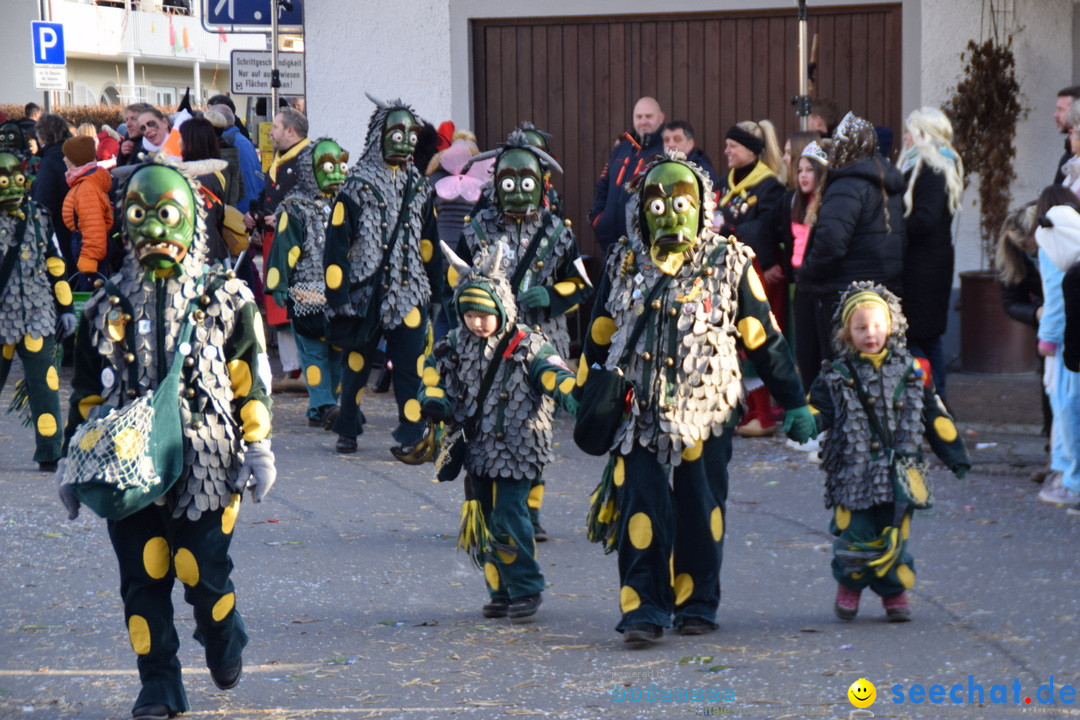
80, 150
475, 297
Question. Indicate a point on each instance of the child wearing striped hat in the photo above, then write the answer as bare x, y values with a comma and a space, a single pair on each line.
880, 403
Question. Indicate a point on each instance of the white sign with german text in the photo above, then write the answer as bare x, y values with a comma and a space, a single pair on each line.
249, 72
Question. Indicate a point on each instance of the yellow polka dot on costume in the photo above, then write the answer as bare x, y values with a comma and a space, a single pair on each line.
155, 557
339, 214
56, 266
640, 530
52, 378
256, 419
905, 527
420, 362
430, 376
90, 439
283, 223
618, 473
842, 516
491, 575
536, 497
629, 600
128, 444
566, 287
548, 379
452, 276
139, 634
427, 250
294, 256
46, 424
239, 377
436, 392
582, 371
692, 452
906, 576
684, 586
411, 411
753, 334
412, 319
63, 292
223, 607
187, 569
359, 395
32, 344
920, 493
313, 375
356, 361
566, 386
756, 288
8, 351
88, 403
228, 517
508, 556
716, 523
273, 277
945, 428
334, 276
601, 330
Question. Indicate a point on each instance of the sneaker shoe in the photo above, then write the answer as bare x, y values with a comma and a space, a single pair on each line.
755, 428
1074, 510
228, 677
696, 626
523, 607
810, 446
497, 608
156, 711
1054, 492
539, 533
896, 608
847, 603
345, 444
641, 635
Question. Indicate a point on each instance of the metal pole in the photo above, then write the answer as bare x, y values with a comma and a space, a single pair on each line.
275, 81
803, 106
45, 16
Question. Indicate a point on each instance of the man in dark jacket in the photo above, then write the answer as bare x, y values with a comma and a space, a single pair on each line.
859, 233
28, 123
1065, 99
630, 154
679, 135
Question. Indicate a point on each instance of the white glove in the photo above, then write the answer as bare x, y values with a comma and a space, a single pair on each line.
67, 324
258, 472
66, 492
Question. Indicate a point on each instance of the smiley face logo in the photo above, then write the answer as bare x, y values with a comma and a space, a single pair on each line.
862, 693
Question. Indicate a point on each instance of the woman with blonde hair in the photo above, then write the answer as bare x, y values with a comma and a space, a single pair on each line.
752, 189
934, 176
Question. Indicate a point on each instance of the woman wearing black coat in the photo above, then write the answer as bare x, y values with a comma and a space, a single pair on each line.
50, 184
859, 233
934, 175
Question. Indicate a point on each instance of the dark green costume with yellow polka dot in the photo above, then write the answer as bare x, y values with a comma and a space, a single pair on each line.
34, 295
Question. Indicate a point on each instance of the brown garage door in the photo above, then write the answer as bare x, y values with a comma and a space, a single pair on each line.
579, 77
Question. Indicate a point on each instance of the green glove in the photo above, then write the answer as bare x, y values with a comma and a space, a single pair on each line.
535, 297
799, 424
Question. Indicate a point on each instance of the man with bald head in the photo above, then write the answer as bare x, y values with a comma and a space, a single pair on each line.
631, 152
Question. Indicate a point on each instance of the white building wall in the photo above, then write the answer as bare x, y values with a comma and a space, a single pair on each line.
17, 81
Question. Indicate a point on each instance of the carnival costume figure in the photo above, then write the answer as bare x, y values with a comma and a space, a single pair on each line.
35, 301
381, 266
487, 379
676, 304
127, 346
295, 272
539, 254
878, 402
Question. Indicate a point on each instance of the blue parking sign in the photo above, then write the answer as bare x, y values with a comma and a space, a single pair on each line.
48, 43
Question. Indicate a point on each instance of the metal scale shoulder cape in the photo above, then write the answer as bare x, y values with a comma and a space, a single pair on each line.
27, 306
307, 205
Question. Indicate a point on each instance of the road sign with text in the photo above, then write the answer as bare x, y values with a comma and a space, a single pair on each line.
48, 43
249, 73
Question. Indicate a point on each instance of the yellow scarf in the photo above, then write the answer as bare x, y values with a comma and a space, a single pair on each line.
877, 358
760, 172
281, 158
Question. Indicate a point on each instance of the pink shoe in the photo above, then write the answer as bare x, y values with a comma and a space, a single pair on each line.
847, 603
897, 608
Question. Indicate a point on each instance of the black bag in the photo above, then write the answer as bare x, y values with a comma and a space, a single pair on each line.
601, 410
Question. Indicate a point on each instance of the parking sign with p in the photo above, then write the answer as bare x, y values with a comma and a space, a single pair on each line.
48, 43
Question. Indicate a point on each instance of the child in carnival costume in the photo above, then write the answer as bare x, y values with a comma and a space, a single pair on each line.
539, 254
295, 273
127, 340
35, 303
487, 379
381, 265
878, 403
676, 305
